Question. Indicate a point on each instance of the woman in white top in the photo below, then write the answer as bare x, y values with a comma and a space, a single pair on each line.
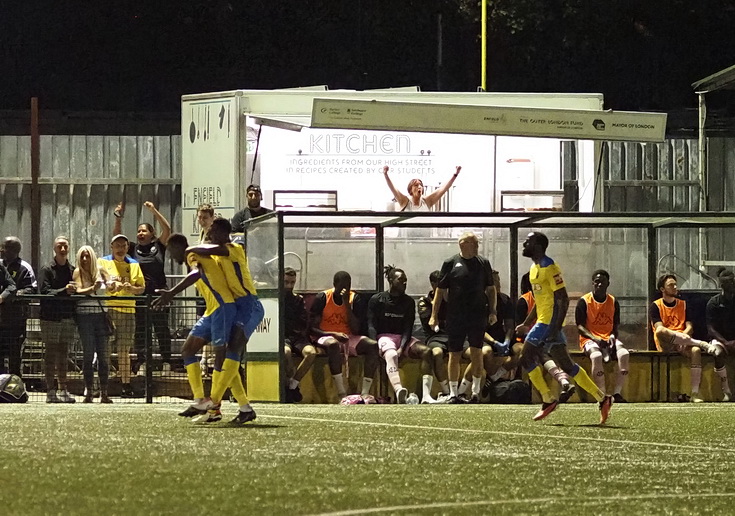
92, 322
416, 200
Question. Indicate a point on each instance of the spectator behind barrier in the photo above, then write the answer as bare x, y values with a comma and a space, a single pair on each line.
13, 313
125, 278
150, 252
57, 319
92, 323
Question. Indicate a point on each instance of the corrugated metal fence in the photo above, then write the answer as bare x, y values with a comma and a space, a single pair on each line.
665, 178
82, 178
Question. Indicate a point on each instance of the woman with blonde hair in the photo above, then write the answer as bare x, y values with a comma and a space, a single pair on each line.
92, 322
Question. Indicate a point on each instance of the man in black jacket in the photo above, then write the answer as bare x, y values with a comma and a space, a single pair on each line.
57, 319
13, 313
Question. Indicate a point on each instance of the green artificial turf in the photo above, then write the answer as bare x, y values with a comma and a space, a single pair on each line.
318, 459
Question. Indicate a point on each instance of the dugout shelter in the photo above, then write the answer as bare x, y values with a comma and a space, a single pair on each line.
635, 248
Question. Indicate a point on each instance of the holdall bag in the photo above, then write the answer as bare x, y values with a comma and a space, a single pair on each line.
12, 389
510, 392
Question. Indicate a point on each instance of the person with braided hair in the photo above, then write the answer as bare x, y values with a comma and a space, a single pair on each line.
390, 321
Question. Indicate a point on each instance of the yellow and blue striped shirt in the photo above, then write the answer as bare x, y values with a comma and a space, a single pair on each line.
236, 271
212, 284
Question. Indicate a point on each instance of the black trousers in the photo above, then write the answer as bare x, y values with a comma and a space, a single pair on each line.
11, 343
159, 323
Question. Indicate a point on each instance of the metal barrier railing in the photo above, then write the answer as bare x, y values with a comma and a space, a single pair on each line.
56, 342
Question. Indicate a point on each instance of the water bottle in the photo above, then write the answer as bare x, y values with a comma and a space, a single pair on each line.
412, 399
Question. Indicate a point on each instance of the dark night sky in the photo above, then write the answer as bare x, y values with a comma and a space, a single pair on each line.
142, 56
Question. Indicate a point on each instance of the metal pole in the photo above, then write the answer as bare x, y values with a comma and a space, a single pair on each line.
281, 311
439, 51
702, 176
652, 236
513, 256
35, 188
702, 153
483, 58
147, 329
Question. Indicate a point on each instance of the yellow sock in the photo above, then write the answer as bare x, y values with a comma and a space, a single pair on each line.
583, 380
194, 375
238, 390
537, 379
229, 370
215, 380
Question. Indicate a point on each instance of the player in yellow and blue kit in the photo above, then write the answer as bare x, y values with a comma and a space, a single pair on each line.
214, 326
552, 302
232, 260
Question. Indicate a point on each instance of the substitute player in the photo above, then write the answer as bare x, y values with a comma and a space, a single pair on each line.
552, 301
672, 330
597, 316
390, 322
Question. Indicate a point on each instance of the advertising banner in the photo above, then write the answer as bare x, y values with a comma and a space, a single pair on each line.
501, 121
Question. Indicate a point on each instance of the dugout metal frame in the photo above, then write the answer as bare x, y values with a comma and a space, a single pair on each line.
515, 222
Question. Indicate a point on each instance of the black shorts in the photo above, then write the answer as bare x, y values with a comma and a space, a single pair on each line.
460, 330
440, 341
297, 345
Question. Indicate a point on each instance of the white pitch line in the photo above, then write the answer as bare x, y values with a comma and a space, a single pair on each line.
565, 499
628, 407
697, 448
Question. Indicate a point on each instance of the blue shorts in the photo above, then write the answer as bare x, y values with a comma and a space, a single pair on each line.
539, 336
250, 313
217, 326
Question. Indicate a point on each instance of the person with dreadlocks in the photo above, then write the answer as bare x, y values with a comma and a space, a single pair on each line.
390, 321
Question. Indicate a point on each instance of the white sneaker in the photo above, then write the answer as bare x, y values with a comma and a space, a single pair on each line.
443, 398
165, 369
212, 415
65, 397
401, 395
427, 400
203, 404
141, 369
51, 396
696, 399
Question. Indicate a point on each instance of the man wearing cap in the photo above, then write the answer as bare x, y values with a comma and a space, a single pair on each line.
125, 279
261, 245
254, 209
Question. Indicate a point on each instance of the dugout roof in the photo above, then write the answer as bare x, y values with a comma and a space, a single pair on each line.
505, 219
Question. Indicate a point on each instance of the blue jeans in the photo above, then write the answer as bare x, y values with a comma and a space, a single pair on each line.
93, 334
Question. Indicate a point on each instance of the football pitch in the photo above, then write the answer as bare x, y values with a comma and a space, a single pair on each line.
326, 459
